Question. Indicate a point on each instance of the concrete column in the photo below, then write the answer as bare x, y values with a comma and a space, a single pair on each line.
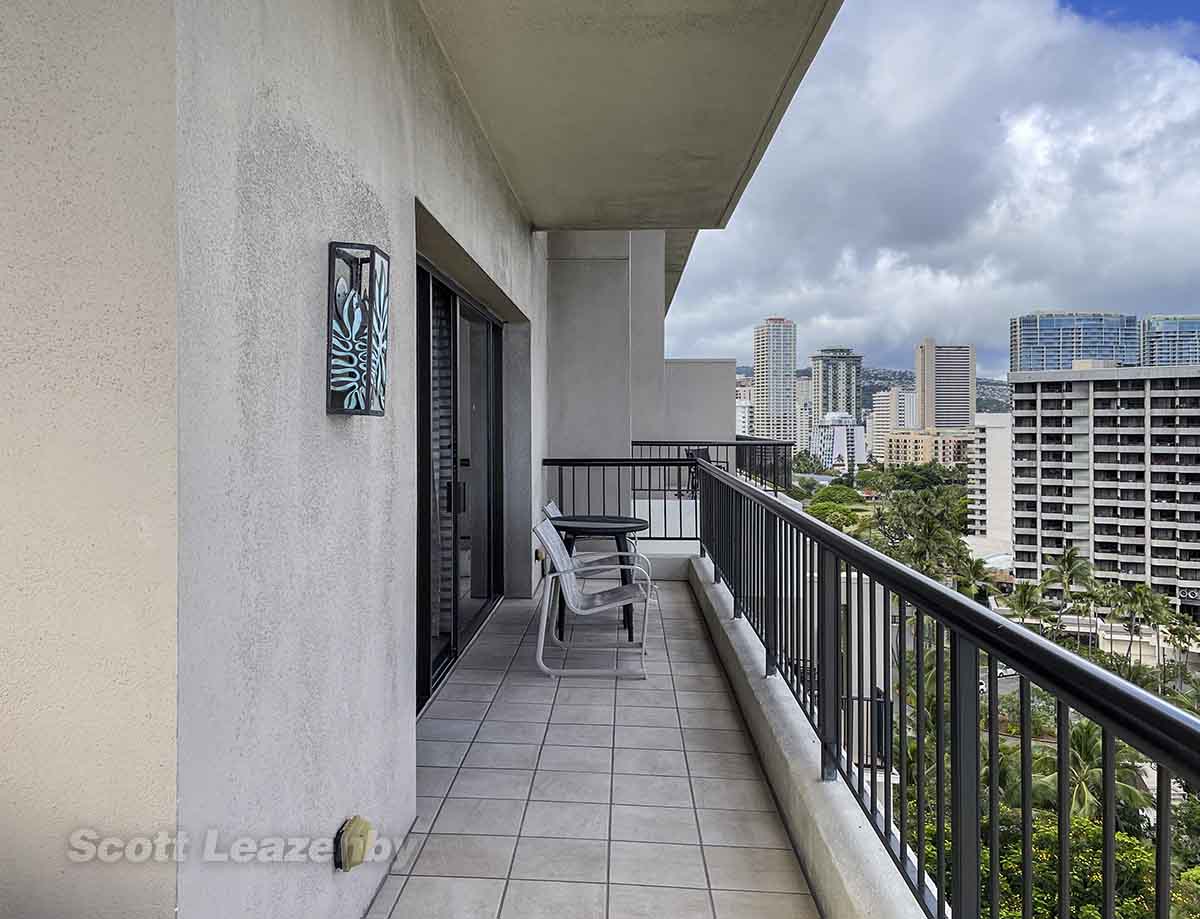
647, 315
518, 460
589, 346
589, 412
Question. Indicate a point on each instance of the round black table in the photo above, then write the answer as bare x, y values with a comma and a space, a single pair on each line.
618, 529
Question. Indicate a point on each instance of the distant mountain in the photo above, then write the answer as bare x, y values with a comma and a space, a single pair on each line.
990, 395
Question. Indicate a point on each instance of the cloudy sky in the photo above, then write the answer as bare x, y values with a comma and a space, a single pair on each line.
947, 164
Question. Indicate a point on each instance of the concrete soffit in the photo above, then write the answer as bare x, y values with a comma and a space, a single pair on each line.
652, 114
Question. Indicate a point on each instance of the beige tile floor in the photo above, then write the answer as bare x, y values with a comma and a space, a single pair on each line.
592, 798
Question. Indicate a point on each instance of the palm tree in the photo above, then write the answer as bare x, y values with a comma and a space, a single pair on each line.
1108, 594
1086, 773
1069, 570
1182, 633
1157, 611
1026, 602
1151, 608
972, 578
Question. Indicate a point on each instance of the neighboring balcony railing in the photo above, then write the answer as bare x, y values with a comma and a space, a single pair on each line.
767, 463
662, 491
903, 681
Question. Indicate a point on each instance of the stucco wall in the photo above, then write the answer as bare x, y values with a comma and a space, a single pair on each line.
588, 345
87, 450
699, 399
647, 315
301, 122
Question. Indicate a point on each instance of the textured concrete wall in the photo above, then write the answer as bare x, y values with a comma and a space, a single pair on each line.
699, 400
589, 344
87, 449
647, 315
301, 122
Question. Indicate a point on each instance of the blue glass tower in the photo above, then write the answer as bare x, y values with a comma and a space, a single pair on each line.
1170, 340
1051, 341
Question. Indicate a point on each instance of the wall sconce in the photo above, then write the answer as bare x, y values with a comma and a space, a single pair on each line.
359, 275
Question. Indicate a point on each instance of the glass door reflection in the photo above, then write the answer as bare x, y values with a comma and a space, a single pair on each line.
458, 459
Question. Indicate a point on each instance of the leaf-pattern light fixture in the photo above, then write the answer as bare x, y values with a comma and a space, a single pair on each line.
359, 295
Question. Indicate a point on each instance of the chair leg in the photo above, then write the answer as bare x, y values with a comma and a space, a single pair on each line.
645, 628
544, 624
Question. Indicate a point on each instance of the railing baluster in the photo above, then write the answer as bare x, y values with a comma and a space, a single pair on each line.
964, 774
1063, 755
1162, 855
771, 591
902, 728
1026, 801
1109, 769
939, 705
886, 691
921, 714
993, 787
846, 653
860, 708
828, 617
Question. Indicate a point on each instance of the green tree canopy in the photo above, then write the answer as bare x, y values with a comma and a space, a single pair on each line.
834, 514
837, 494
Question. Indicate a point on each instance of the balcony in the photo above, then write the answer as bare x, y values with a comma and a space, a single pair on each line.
642, 795
777, 713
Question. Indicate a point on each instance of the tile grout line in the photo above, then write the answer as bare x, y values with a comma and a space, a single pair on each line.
687, 764
457, 772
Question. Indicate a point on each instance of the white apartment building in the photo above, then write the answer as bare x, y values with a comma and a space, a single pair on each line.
839, 442
837, 383
989, 478
804, 414
1107, 459
945, 383
743, 412
893, 410
775, 379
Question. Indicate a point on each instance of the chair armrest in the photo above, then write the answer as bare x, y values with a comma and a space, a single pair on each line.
583, 569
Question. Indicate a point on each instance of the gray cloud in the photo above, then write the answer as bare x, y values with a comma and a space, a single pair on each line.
946, 165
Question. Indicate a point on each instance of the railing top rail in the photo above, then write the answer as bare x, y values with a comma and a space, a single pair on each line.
617, 461
1148, 722
742, 441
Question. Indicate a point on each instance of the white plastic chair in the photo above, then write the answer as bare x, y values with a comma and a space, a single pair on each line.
551, 510
563, 581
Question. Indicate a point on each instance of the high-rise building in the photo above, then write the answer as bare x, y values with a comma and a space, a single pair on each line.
743, 401
804, 414
945, 379
775, 379
743, 408
1105, 459
948, 447
1170, 341
989, 478
1054, 340
839, 442
837, 383
894, 409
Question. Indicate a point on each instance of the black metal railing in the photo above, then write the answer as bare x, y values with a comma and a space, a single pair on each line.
924, 703
662, 491
767, 463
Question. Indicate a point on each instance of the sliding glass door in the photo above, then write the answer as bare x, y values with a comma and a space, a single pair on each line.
458, 474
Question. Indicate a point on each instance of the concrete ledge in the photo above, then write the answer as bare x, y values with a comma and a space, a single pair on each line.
851, 874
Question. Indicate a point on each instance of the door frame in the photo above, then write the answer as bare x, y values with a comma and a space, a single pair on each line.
428, 679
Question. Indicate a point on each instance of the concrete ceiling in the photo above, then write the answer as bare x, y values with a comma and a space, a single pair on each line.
629, 114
